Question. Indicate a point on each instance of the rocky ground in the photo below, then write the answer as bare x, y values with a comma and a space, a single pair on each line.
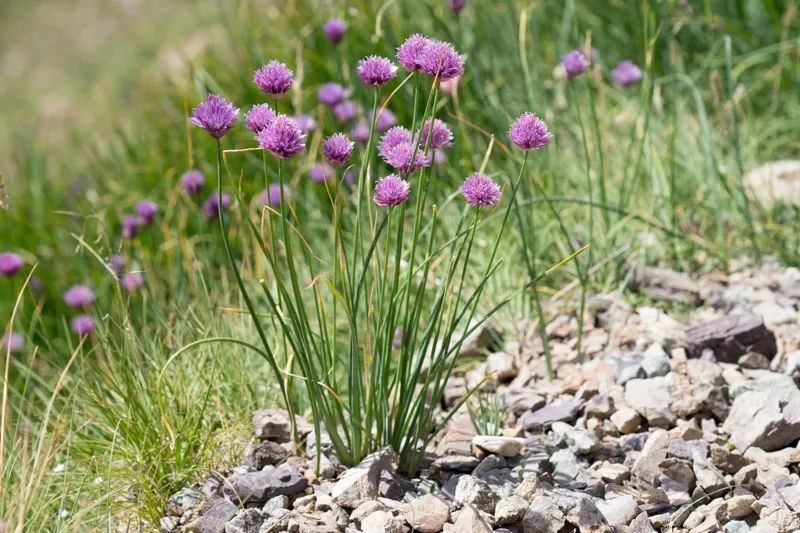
661, 425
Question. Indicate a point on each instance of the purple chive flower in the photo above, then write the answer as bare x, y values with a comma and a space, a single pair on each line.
529, 132
82, 325
306, 123
211, 205
345, 111
392, 138
131, 282
410, 52
130, 227
321, 172
147, 210
259, 117
337, 149
386, 120
12, 342
216, 116
274, 78
193, 182
79, 296
375, 71
440, 58
10, 264
284, 138
627, 74
330, 94
480, 191
334, 30
391, 190
440, 134
575, 64
116, 264
457, 5
403, 158
272, 196
360, 132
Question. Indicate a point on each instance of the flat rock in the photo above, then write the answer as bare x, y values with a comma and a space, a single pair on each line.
560, 411
510, 510
261, 486
275, 425
641, 524
470, 520
655, 361
732, 336
503, 446
665, 284
247, 521
646, 467
626, 420
427, 514
361, 482
502, 367
619, 511
768, 419
740, 506
543, 516
382, 522
651, 399
215, 516
588, 518
476, 492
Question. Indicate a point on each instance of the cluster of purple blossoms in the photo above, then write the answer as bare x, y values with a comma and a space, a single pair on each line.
575, 63
529, 132
334, 30
406, 158
410, 52
117, 265
130, 227
11, 343
216, 116
192, 182
79, 296
375, 71
274, 79
345, 111
259, 117
330, 94
337, 149
481, 191
147, 211
360, 132
385, 120
131, 282
627, 74
82, 325
434, 58
10, 264
440, 135
284, 139
392, 138
272, 196
391, 191
306, 123
321, 172
211, 207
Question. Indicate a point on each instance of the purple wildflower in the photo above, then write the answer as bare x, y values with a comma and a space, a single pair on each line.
480, 191
392, 138
10, 264
345, 111
116, 264
211, 205
259, 117
131, 282
360, 132
575, 64
440, 134
386, 120
147, 210
274, 78
627, 74
12, 342
529, 132
284, 138
272, 196
306, 123
405, 159
216, 116
193, 182
130, 227
321, 172
391, 190
440, 58
79, 296
410, 52
457, 5
375, 71
334, 30
82, 325
330, 94
337, 149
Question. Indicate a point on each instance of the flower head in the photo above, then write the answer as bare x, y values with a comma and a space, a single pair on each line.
529, 132
386, 120
216, 116
360, 132
440, 58
392, 138
410, 52
10, 264
131, 282
283, 138
337, 149
480, 191
116, 264
79, 296
130, 227
193, 182
575, 64
259, 117
12, 342
440, 134
147, 211
272, 196
345, 111
306, 123
211, 205
321, 172
375, 71
404, 158
334, 30
330, 94
627, 74
82, 325
274, 78
391, 190
457, 5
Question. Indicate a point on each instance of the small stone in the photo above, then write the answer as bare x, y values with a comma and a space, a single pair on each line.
503, 446
778, 519
427, 514
457, 463
619, 511
476, 492
626, 420
651, 399
688, 450
726, 460
366, 509
588, 518
641, 524
600, 406
274, 424
382, 522
543, 516
510, 510
791, 495
167, 524
655, 361
775, 182
215, 517
247, 521
768, 419
614, 473
263, 485
646, 467
501, 367
263, 454
740, 506
361, 482
273, 504
528, 488
581, 442
470, 520
522, 401
754, 360
708, 477
731, 336
562, 411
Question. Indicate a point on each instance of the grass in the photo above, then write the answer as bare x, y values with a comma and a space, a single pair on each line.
129, 423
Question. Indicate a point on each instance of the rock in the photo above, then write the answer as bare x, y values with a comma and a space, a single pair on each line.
646, 467
457, 438
543, 516
791, 495
688, 450
655, 361
613, 473
651, 399
248, 521
588, 518
214, 517
274, 424
737, 526
641, 524
754, 360
567, 467
561, 411
665, 284
626, 420
522, 401
657, 326
382, 522
501, 367
274, 504
528, 488
579, 441
366, 509
740, 506
679, 470
600, 406
473, 491
469, 520
263, 485
503, 446
427, 514
777, 181
676, 491
778, 520
167, 524
731, 336
698, 386
708, 477
264, 454
360, 483
726, 460
510, 510
768, 419
184, 501
619, 511
457, 463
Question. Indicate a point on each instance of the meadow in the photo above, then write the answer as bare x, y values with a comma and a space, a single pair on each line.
104, 418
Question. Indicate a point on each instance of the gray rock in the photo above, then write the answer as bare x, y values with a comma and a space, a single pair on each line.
791, 495
651, 399
683, 449
274, 504
708, 477
510, 510
263, 454
768, 419
677, 492
543, 516
679, 470
469, 519
366, 509
619, 511
501, 367
427, 514
579, 441
614, 473
641, 524
562, 411
646, 467
567, 467
655, 361
665, 284
263, 485
361, 482
167, 524
754, 360
778, 520
600, 406
275, 425
626, 420
382, 522
728, 461
215, 516
588, 518
457, 463
737, 526
503, 446
740, 506
529, 487
522, 401
247, 521
731, 336
477, 493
